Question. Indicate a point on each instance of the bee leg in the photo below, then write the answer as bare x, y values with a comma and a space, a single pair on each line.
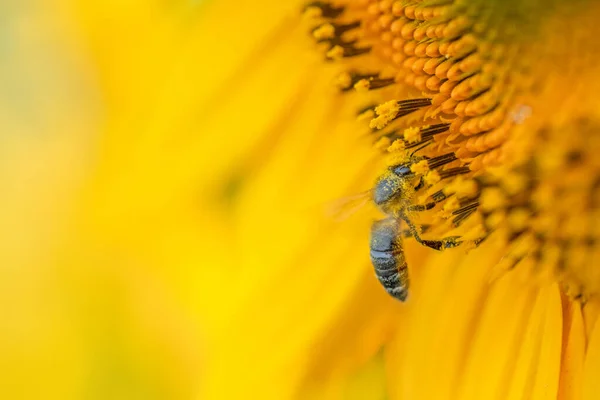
442, 244
414, 232
406, 233
412, 229
450, 242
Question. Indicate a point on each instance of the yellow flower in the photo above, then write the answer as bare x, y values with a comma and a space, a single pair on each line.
504, 116
167, 223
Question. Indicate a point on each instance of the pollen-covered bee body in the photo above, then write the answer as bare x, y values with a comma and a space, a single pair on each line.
387, 257
394, 194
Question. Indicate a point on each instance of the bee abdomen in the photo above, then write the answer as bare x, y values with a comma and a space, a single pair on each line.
388, 260
391, 270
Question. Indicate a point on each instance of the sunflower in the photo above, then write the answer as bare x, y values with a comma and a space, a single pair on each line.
489, 95
184, 215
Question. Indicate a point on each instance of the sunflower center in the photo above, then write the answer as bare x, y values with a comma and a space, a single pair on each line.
453, 99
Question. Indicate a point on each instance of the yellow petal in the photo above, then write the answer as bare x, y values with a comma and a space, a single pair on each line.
571, 375
469, 338
591, 383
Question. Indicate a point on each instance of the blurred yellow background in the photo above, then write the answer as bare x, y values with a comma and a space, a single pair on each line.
162, 164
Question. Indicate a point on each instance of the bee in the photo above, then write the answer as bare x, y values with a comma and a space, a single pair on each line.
394, 194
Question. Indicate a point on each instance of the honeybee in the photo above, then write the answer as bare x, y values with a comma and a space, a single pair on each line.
394, 194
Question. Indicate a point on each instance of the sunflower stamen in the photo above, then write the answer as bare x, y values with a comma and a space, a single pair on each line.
339, 49
394, 109
426, 135
439, 161
322, 9
463, 213
372, 82
328, 30
362, 82
449, 173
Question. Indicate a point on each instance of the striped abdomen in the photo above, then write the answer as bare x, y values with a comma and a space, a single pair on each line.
387, 257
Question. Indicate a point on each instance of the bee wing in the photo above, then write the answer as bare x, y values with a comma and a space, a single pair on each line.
343, 208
